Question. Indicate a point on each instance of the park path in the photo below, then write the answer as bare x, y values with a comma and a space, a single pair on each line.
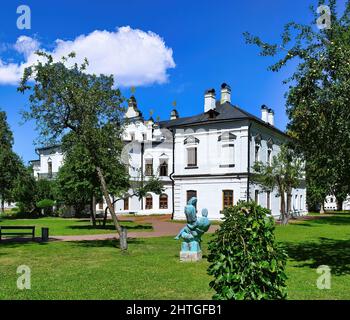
162, 227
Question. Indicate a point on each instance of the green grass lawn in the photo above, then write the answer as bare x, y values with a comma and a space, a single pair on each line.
151, 268
69, 227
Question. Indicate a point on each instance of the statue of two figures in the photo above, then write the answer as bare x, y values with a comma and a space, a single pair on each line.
192, 233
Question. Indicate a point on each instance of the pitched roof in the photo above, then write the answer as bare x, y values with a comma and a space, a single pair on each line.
224, 112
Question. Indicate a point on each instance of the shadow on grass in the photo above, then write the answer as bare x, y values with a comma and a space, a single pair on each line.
331, 220
105, 243
19, 242
112, 227
330, 252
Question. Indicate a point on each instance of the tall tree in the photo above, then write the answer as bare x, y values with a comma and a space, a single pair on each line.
67, 99
10, 163
318, 101
285, 172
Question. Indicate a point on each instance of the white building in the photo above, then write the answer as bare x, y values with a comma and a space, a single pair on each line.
330, 203
209, 155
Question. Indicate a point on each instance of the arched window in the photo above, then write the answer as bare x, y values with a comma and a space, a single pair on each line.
163, 165
191, 144
149, 202
148, 166
163, 201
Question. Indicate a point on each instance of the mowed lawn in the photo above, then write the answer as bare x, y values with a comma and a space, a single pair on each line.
71, 227
151, 268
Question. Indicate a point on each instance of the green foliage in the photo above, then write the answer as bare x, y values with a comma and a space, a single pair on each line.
318, 103
66, 101
45, 203
10, 163
284, 173
246, 262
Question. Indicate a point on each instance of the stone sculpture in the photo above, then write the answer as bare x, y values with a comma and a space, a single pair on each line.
192, 233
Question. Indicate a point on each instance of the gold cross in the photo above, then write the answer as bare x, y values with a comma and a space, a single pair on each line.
133, 90
174, 103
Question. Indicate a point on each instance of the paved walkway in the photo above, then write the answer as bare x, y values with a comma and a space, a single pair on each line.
162, 227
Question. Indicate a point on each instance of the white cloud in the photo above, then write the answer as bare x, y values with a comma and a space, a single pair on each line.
26, 45
134, 57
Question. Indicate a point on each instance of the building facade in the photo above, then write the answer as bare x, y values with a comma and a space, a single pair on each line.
209, 155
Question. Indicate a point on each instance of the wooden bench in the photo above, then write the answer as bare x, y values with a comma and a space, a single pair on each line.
12, 231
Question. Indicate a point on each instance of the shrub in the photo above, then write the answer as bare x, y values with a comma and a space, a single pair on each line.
46, 205
245, 260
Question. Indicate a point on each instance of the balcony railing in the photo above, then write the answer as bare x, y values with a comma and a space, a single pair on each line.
47, 176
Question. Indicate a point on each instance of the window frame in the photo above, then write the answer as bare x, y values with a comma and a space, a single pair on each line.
149, 202
161, 199
227, 200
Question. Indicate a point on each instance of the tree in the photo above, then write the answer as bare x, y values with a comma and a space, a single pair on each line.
24, 191
139, 187
10, 163
77, 181
67, 99
318, 102
245, 259
284, 173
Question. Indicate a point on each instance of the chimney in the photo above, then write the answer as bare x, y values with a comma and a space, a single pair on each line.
264, 113
271, 117
174, 115
225, 93
209, 100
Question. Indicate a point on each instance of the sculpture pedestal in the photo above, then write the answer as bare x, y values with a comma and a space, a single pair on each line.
188, 256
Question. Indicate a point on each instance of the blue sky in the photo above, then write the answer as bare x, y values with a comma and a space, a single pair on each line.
205, 38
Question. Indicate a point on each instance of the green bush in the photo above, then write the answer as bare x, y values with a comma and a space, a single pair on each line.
46, 206
245, 260
46, 203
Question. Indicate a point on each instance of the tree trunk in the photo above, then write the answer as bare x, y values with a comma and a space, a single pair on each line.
122, 239
93, 211
284, 214
2, 206
289, 201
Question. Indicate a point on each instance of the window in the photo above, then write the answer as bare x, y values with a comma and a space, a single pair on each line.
149, 167
163, 168
227, 196
257, 150
163, 201
132, 136
126, 204
49, 166
149, 202
296, 202
227, 155
301, 202
269, 151
268, 200
256, 199
192, 157
191, 194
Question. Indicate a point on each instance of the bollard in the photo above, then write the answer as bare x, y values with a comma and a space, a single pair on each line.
44, 234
